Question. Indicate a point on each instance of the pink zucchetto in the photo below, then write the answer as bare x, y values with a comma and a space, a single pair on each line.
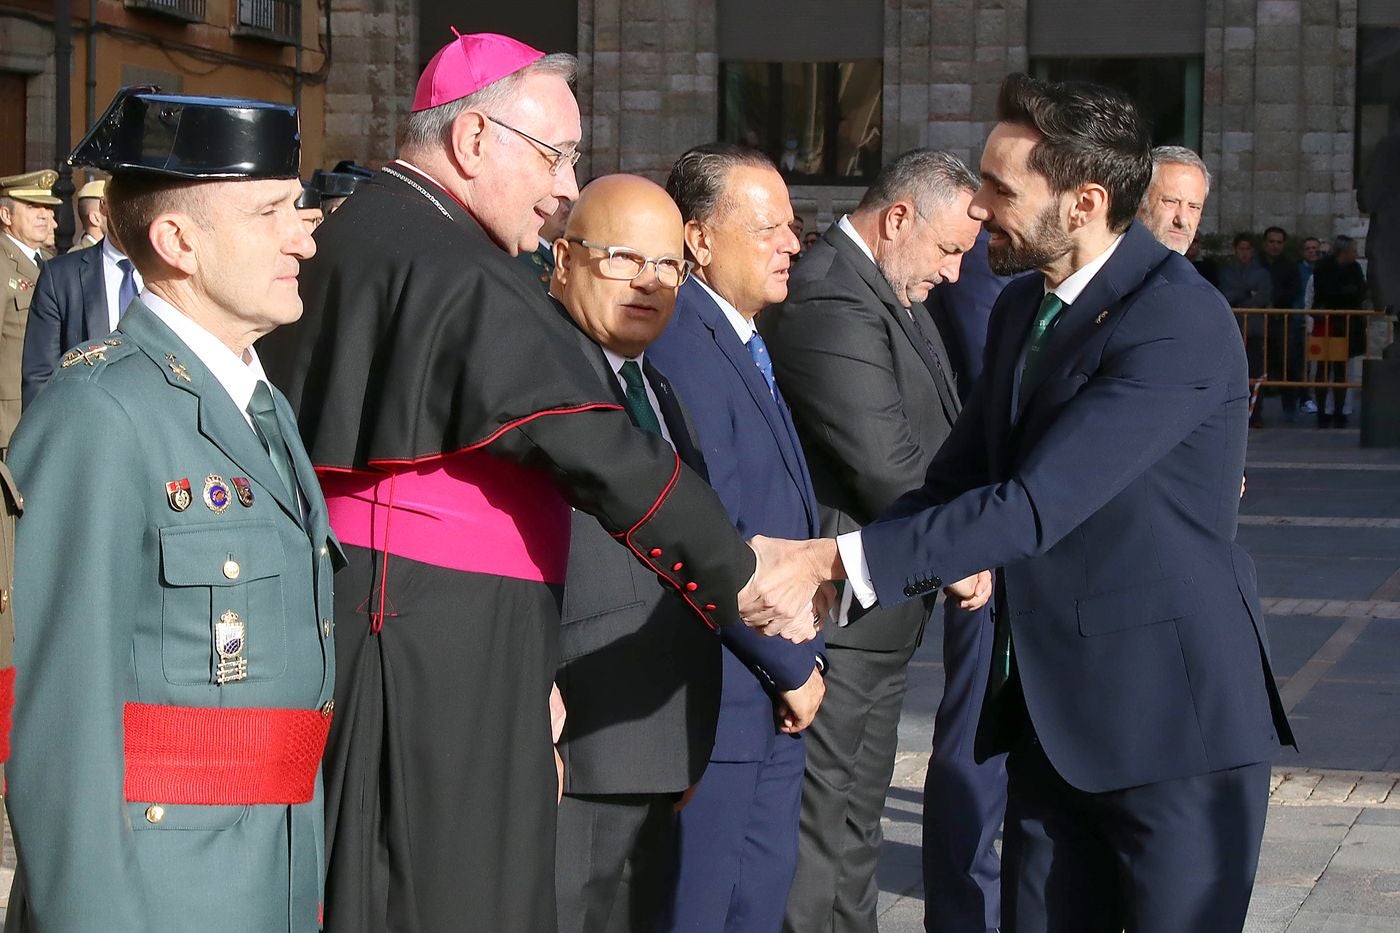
469, 63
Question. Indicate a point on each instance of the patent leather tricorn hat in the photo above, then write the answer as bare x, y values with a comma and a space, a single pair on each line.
177, 136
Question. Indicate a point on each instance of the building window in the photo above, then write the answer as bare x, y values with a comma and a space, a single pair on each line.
1167, 90
273, 20
190, 11
819, 121
1377, 90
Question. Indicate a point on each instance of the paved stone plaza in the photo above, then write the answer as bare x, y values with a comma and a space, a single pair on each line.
1322, 519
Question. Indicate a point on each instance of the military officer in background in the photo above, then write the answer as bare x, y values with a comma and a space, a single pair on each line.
173, 637
27, 223
90, 215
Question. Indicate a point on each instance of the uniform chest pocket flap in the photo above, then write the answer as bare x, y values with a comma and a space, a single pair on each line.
222, 579
1132, 607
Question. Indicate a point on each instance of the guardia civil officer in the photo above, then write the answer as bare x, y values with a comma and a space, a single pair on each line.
174, 565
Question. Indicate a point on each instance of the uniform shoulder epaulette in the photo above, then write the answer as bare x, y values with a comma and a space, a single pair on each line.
91, 357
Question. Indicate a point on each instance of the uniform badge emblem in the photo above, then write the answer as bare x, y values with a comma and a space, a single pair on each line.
177, 493
230, 635
113, 341
244, 490
91, 356
215, 493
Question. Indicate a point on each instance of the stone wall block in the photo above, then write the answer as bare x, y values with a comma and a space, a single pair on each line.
640, 101
1279, 12
950, 100
1239, 37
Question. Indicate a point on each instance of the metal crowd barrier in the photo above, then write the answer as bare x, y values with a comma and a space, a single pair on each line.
1286, 351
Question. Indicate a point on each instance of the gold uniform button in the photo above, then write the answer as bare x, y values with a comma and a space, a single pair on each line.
328, 709
231, 569
326, 627
155, 813
325, 551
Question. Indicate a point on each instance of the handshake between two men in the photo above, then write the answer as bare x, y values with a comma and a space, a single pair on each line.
790, 594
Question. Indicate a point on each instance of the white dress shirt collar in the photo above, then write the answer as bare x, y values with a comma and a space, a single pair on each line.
238, 378
848, 228
1072, 287
112, 279
33, 254
743, 326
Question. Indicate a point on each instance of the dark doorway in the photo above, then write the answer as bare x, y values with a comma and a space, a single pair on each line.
13, 113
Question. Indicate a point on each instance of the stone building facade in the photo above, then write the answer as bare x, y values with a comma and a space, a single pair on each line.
1277, 78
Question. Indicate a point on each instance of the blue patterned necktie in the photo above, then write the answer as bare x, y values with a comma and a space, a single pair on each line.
758, 350
126, 294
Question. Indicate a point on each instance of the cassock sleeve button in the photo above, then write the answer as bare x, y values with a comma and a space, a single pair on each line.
656, 552
692, 587
710, 607
155, 813
231, 569
677, 565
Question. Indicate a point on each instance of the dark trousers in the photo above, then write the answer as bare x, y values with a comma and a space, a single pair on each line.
851, 749
964, 802
1335, 372
738, 844
612, 861
1286, 344
1162, 858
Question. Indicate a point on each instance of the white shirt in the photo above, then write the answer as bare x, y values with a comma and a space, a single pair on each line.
849, 229
616, 361
850, 545
238, 378
112, 279
33, 254
743, 326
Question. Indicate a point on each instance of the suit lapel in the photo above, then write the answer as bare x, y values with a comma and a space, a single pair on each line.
1125, 271
221, 423
97, 320
710, 315
674, 417
937, 364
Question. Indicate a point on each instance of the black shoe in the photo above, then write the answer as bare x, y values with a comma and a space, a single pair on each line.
1324, 421
1339, 421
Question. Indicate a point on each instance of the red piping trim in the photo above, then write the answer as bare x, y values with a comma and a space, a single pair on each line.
626, 537
376, 617
494, 435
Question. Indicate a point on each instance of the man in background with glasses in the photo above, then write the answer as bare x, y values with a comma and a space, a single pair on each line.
640, 675
453, 419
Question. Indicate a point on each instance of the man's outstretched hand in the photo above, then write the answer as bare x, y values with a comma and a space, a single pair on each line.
782, 596
972, 592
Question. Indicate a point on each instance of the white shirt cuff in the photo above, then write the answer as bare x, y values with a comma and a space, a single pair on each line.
852, 551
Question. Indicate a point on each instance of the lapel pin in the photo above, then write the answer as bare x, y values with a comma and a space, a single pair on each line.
178, 368
244, 491
215, 493
177, 493
1102, 315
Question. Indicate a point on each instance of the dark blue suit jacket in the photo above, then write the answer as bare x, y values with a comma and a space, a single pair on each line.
756, 465
1110, 503
69, 308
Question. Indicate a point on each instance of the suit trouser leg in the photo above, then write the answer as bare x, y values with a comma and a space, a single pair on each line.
596, 835
964, 801
738, 844
1161, 858
851, 749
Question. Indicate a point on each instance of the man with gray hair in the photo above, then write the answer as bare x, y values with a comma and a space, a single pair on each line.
453, 418
1176, 196
873, 394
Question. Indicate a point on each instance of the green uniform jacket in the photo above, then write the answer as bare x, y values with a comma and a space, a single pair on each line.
18, 274
115, 597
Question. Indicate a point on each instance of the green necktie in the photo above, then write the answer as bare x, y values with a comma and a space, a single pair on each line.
638, 405
264, 415
1050, 308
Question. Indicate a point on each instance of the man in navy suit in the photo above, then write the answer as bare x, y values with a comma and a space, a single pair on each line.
738, 834
78, 299
1097, 465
